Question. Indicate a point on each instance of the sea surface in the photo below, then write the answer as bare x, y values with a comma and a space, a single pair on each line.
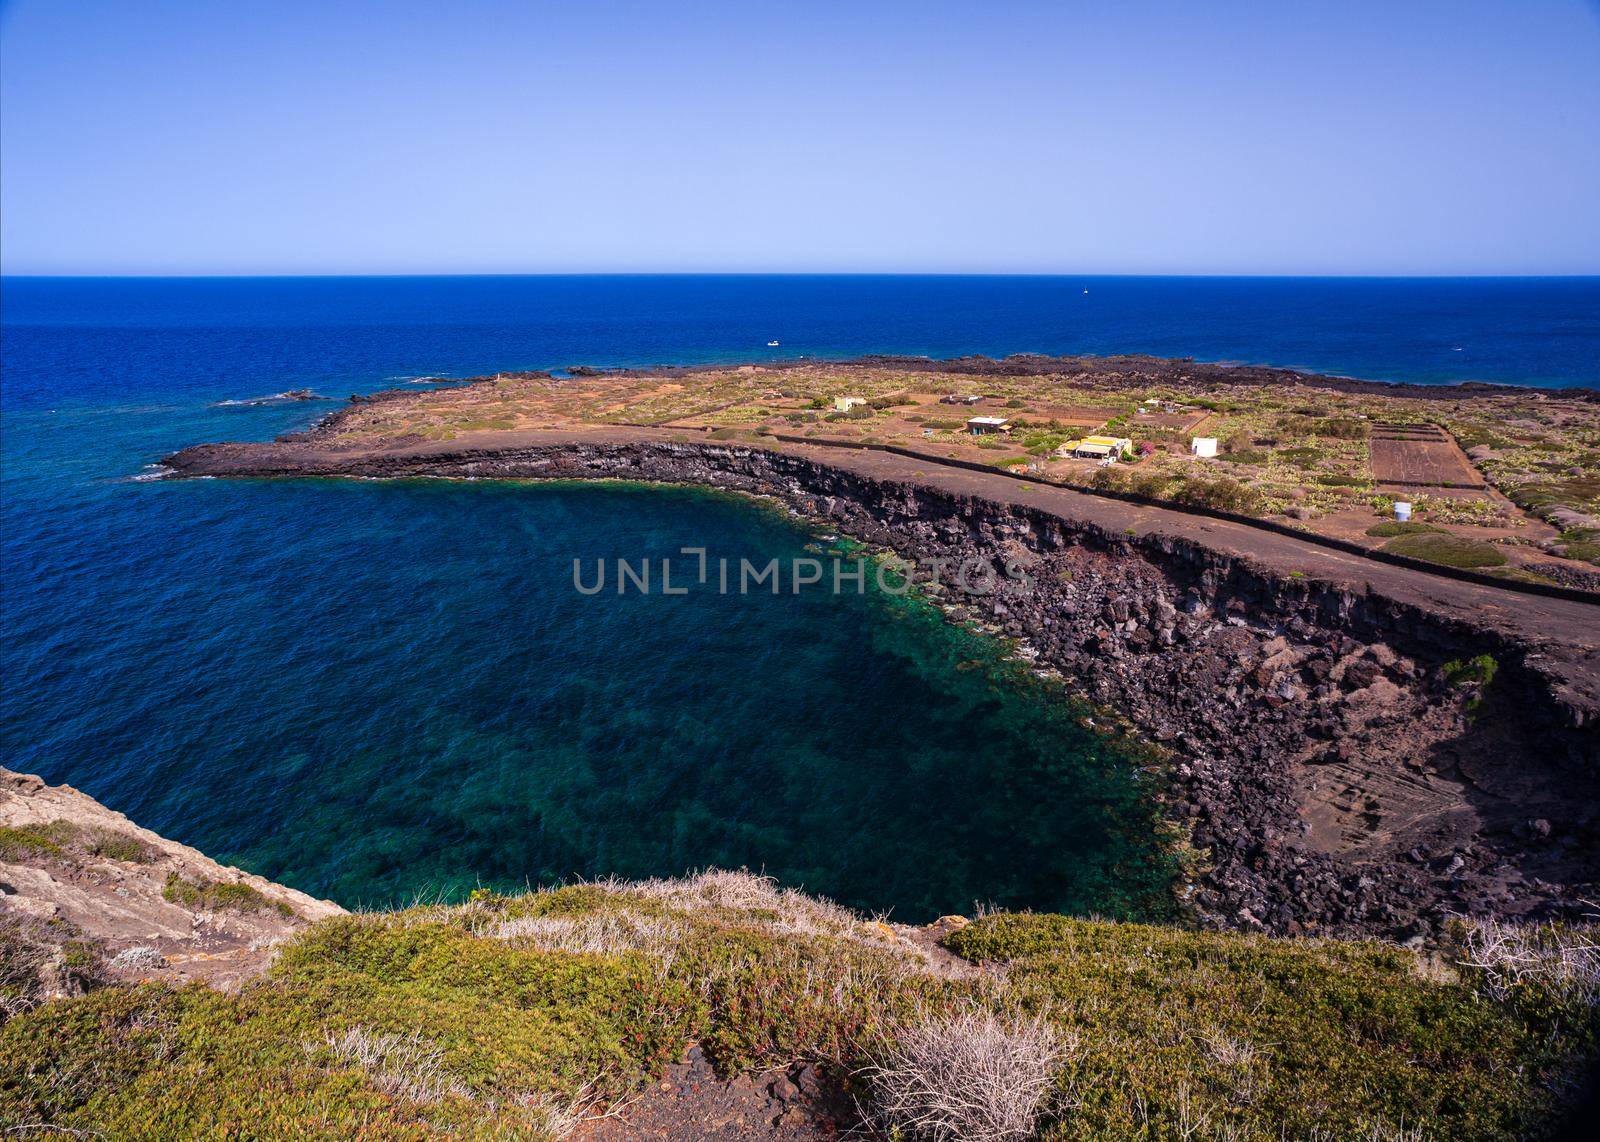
374, 690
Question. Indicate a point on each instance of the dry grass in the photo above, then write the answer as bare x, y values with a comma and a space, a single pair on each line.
782, 910
401, 1066
410, 1068
973, 1075
1564, 958
138, 959
601, 934
760, 903
560, 1117
1244, 1067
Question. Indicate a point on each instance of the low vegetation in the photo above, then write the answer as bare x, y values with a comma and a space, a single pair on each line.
1289, 452
1479, 671
1391, 528
218, 896
63, 838
517, 1015
1448, 550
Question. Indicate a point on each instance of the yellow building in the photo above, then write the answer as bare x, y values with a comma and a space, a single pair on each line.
1101, 447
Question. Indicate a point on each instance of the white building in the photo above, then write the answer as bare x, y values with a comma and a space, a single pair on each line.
979, 425
845, 404
1204, 447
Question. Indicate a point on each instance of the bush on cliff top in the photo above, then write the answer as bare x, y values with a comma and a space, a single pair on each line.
1391, 528
217, 896
1275, 1037
474, 1018
54, 838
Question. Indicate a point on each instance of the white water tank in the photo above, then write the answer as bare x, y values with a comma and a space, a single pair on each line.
1402, 511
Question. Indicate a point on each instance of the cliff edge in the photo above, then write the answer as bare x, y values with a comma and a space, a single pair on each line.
95, 898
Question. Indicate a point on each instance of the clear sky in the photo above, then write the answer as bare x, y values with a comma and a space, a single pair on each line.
1110, 136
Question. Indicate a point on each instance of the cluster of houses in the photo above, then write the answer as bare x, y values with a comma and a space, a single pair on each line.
1106, 449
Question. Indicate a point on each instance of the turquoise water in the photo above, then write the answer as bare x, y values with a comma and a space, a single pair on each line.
371, 690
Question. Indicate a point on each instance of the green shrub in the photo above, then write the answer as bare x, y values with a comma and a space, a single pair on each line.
1394, 527
1259, 1037
61, 837
218, 896
1299, 457
1246, 456
48, 838
120, 846
1445, 549
1222, 494
1276, 1038
1480, 671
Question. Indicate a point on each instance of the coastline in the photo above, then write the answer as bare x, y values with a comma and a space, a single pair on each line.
1134, 366
1289, 774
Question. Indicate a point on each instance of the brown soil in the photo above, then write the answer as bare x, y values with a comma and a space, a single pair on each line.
1421, 459
802, 1101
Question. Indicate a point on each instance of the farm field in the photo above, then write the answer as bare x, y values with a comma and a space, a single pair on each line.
1420, 456
1516, 471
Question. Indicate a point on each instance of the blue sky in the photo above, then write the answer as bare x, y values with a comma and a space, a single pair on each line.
1095, 137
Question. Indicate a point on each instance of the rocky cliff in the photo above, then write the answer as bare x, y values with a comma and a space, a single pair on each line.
1346, 761
89, 897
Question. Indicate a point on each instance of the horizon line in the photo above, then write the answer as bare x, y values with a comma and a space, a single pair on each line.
1354, 276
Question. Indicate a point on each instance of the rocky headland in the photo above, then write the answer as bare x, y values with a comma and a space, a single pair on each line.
1354, 749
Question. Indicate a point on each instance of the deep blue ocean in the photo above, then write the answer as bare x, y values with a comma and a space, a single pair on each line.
372, 690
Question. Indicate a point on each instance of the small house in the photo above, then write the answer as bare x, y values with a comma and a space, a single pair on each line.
961, 398
1103, 448
845, 404
983, 425
1204, 447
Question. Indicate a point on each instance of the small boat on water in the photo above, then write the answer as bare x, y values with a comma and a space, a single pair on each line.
772, 344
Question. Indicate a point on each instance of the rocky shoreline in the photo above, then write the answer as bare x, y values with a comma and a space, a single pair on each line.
1132, 367
1340, 766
